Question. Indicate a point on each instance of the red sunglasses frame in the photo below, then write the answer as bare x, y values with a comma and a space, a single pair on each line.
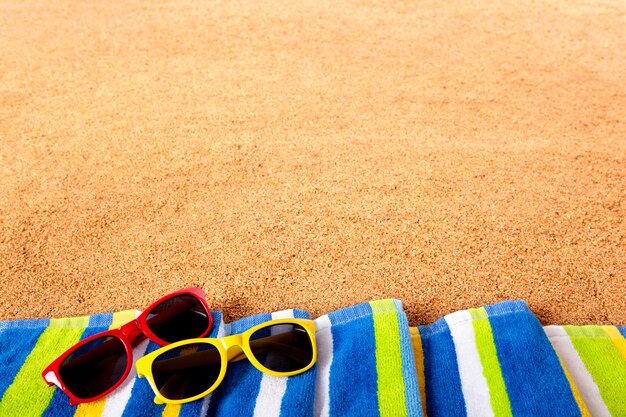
129, 333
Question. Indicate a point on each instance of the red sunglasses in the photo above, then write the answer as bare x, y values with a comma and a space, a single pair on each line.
98, 365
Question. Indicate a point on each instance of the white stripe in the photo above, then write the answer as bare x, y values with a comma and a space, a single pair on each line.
284, 314
473, 382
589, 391
205, 405
324, 342
221, 332
116, 402
272, 389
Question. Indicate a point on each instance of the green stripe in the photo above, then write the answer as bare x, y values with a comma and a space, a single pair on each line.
391, 398
604, 362
489, 360
29, 395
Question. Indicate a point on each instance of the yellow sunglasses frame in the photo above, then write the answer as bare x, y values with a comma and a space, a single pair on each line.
230, 349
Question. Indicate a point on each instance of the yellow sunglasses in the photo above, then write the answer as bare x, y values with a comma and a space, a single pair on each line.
191, 369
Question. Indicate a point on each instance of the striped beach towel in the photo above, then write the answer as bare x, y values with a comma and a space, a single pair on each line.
499, 361
365, 368
595, 359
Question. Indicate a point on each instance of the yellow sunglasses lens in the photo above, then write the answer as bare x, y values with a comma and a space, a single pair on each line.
282, 348
186, 371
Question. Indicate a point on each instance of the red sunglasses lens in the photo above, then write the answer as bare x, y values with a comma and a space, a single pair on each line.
95, 367
178, 318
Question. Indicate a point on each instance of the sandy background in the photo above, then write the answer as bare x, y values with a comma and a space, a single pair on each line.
313, 154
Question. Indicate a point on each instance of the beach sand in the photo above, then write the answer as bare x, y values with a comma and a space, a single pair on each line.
313, 155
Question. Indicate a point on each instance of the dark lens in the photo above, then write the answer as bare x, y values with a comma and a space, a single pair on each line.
282, 347
94, 367
178, 318
186, 371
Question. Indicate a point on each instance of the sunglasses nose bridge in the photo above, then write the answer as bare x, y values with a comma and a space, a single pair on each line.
233, 346
131, 330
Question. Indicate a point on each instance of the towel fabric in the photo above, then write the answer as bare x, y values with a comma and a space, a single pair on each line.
365, 367
499, 361
492, 361
595, 359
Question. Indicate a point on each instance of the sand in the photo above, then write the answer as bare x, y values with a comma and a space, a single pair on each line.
313, 154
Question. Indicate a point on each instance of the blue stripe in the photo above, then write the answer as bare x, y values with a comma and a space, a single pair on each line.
507, 307
246, 323
444, 396
299, 395
411, 388
15, 346
193, 409
60, 404
237, 394
622, 330
24, 324
354, 363
217, 319
101, 320
301, 314
349, 314
534, 379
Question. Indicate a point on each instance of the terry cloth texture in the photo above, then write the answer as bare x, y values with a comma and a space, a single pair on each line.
499, 361
365, 368
595, 358
492, 361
